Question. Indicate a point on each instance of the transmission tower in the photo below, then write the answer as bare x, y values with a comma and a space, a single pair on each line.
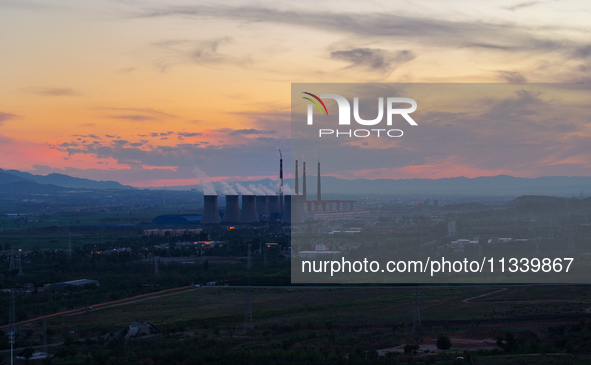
70, 247
19, 264
416, 321
44, 343
571, 244
530, 229
12, 325
156, 261
248, 322
249, 258
12, 265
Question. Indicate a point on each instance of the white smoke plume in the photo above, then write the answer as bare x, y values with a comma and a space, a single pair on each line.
256, 190
276, 187
227, 189
204, 180
268, 190
242, 190
286, 189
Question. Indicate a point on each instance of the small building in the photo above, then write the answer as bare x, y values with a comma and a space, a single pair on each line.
177, 220
320, 254
171, 232
81, 283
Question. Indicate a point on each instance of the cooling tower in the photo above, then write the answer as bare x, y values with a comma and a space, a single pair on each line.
292, 212
273, 202
262, 205
248, 214
232, 213
211, 212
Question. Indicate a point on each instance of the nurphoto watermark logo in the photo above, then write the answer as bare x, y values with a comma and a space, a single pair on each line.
345, 116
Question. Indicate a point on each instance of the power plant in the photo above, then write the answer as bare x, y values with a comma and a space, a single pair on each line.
318, 209
263, 203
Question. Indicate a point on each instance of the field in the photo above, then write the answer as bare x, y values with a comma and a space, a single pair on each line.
341, 319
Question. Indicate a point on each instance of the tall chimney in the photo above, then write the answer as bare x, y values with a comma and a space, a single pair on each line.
232, 213
304, 197
318, 191
211, 212
280, 181
248, 214
297, 178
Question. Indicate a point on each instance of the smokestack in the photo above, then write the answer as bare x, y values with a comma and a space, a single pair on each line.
280, 181
292, 212
211, 212
318, 191
232, 213
262, 205
297, 178
273, 202
304, 197
248, 214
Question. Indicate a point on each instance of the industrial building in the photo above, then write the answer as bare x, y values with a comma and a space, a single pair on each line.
321, 209
170, 232
176, 219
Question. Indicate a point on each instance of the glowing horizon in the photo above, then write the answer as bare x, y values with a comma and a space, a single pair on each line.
153, 92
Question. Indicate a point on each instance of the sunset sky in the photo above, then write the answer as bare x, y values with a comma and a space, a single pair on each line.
153, 93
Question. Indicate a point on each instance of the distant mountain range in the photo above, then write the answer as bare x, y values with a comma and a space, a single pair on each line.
59, 180
501, 185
